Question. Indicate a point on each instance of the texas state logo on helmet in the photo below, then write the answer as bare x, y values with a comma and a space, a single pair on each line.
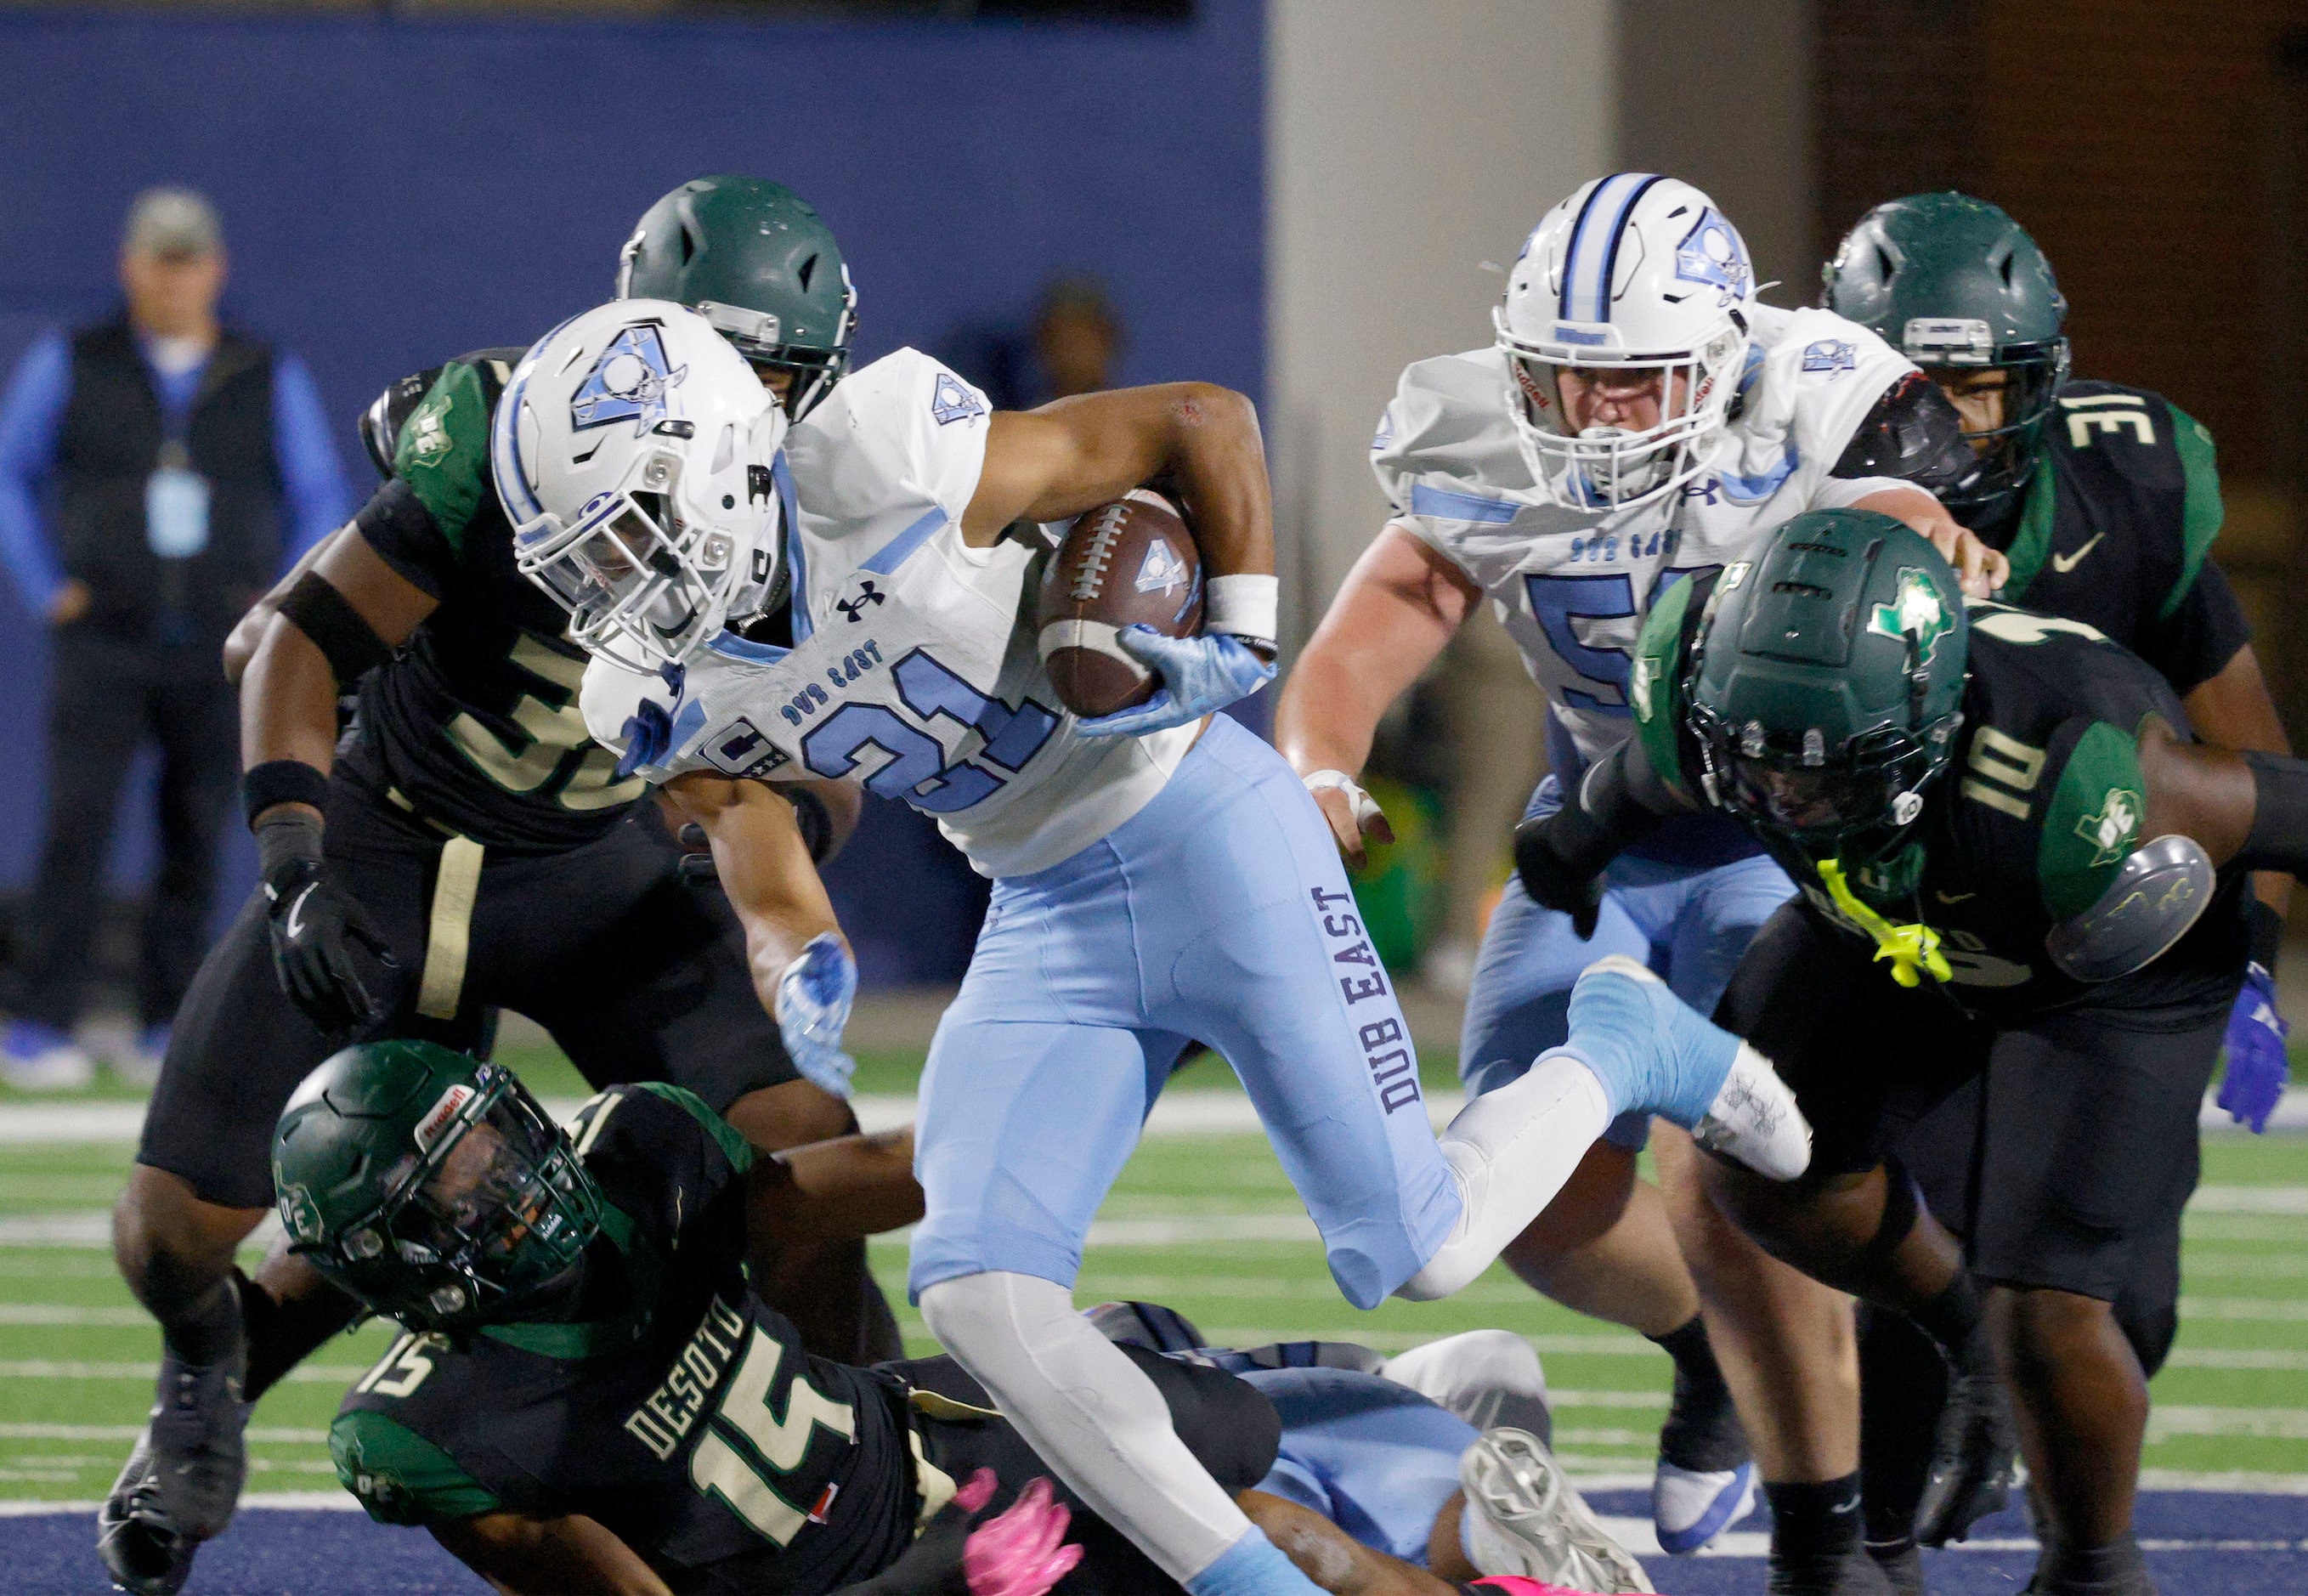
1637, 286
636, 452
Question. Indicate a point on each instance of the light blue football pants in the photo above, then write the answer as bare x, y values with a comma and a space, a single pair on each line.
1690, 925
1219, 913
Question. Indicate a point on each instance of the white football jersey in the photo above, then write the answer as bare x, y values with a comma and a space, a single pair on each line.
914, 666
1571, 585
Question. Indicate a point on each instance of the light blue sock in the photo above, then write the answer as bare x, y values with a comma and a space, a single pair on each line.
1651, 1050
1251, 1566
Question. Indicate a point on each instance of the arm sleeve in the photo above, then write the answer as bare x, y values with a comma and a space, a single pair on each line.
399, 1476
31, 412
2094, 814
319, 499
1913, 434
2195, 641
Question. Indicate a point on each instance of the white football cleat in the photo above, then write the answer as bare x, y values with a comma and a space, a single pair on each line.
1690, 1507
1523, 1517
1754, 1119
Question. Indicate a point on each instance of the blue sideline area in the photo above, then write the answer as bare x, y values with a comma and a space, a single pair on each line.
2200, 1543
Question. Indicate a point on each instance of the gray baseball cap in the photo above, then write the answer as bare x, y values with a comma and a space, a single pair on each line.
172, 221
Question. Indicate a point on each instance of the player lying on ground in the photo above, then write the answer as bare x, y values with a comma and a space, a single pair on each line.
1437, 1456
2007, 841
1640, 417
1159, 873
2107, 499
465, 845
592, 1395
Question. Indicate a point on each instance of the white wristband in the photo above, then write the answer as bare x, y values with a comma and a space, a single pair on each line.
1245, 606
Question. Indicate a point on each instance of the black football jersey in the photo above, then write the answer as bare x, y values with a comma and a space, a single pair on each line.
475, 723
681, 1413
2117, 530
2027, 826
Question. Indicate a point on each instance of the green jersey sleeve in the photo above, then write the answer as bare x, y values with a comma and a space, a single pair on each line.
443, 453
2202, 512
400, 1477
2093, 820
1655, 678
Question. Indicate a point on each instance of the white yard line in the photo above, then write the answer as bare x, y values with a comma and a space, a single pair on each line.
1179, 1114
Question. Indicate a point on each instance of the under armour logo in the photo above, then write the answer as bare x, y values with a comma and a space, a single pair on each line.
854, 609
1704, 489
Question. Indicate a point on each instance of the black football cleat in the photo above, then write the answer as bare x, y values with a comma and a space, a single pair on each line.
1974, 1459
199, 1441
138, 1547
1851, 1573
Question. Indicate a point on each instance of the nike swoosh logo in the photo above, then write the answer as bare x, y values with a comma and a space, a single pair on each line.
2065, 562
296, 910
1954, 897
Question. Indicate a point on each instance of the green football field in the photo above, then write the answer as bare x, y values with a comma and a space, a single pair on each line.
1207, 1224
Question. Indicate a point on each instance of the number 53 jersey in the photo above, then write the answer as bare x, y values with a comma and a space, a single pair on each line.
1571, 585
913, 667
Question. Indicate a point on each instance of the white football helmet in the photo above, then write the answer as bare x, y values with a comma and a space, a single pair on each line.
1639, 284
636, 453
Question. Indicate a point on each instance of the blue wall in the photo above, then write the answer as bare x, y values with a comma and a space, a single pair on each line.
396, 192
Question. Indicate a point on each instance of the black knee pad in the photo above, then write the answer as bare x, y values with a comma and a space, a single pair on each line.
1227, 1424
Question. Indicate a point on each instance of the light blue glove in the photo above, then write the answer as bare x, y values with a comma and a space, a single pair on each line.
1199, 677
2258, 1063
814, 999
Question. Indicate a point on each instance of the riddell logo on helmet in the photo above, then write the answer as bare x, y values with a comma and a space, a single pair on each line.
441, 1115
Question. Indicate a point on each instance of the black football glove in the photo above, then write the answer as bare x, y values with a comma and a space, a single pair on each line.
1560, 857
332, 960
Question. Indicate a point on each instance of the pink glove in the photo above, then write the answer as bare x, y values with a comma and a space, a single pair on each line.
1515, 1584
1022, 1551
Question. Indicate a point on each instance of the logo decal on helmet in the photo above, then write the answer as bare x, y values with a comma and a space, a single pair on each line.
953, 401
441, 1115
1917, 612
2112, 831
629, 383
299, 1212
1712, 254
1639, 682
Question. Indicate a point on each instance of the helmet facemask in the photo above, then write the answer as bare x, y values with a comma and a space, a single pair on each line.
1611, 467
489, 1211
2034, 374
809, 372
650, 571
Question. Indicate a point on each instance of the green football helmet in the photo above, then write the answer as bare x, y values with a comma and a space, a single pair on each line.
1953, 282
430, 1186
753, 259
1826, 684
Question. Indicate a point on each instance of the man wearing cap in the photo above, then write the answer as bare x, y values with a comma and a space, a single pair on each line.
185, 465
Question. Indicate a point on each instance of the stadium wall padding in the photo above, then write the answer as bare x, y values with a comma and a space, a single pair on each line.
395, 191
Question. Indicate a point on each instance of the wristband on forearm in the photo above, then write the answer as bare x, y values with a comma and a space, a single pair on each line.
2279, 840
285, 842
1245, 607
282, 781
2265, 929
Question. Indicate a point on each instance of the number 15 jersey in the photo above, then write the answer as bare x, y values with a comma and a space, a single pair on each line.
1572, 585
913, 667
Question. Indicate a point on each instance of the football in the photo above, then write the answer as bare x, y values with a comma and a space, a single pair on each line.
1129, 562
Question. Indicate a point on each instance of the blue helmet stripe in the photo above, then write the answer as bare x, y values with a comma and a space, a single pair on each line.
1592, 256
